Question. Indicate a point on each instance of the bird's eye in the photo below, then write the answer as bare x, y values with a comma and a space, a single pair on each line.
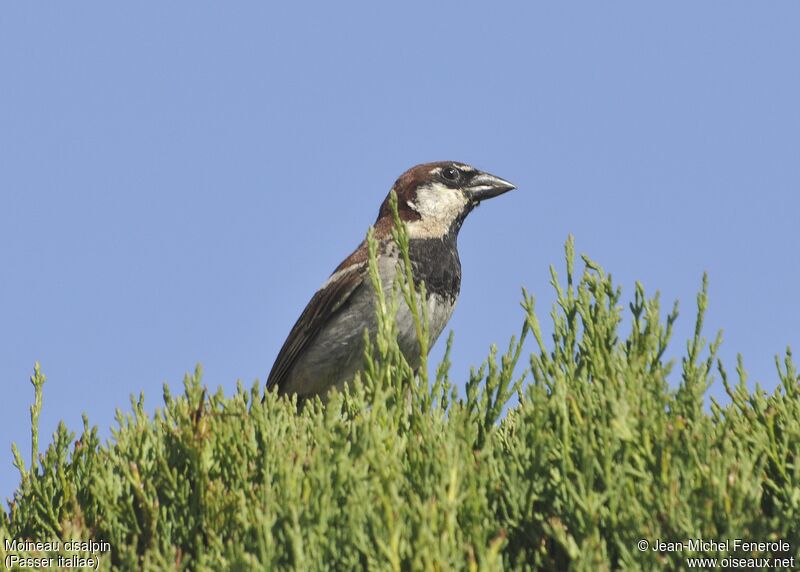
451, 173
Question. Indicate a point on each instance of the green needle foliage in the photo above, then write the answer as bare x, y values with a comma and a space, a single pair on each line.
399, 472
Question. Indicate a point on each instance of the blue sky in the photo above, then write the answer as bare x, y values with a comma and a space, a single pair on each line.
177, 179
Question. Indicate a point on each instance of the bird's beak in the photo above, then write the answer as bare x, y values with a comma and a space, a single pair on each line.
485, 186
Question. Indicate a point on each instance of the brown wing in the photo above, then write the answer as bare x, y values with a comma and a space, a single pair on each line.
323, 305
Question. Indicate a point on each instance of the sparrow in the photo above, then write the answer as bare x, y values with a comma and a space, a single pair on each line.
324, 349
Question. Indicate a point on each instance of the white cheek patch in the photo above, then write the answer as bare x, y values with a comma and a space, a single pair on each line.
438, 206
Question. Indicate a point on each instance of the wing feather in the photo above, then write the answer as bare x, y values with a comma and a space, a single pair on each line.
323, 306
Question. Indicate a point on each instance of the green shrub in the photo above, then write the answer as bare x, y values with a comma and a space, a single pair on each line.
399, 472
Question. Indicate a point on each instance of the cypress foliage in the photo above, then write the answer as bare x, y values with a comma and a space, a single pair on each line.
399, 472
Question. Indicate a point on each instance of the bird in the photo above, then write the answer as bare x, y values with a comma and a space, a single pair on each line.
325, 347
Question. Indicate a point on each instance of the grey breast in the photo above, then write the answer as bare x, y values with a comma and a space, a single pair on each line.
337, 353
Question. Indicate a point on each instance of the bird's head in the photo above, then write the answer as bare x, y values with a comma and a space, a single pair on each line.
433, 199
